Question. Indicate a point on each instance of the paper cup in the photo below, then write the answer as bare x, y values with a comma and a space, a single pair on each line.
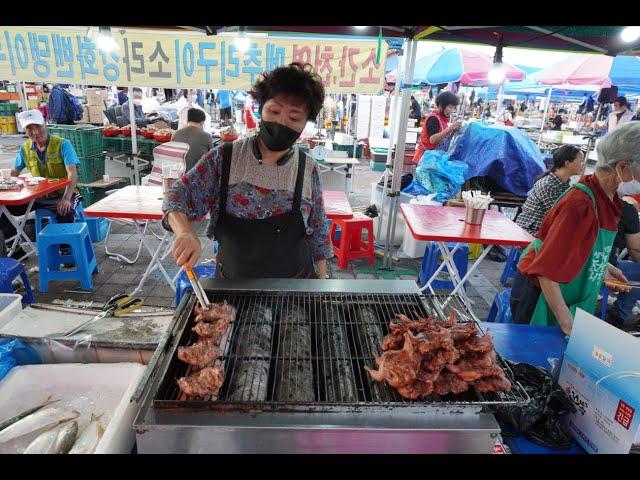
106, 178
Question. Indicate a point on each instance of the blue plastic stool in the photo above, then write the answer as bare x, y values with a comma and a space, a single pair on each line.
604, 291
501, 309
431, 262
511, 268
9, 270
183, 285
76, 235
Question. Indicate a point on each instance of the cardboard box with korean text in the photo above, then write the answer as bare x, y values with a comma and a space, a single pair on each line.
97, 96
601, 374
95, 114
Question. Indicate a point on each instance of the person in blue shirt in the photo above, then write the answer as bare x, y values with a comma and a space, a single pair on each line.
224, 99
122, 95
59, 109
46, 156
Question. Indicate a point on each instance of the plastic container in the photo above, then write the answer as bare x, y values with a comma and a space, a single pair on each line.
86, 140
91, 169
411, 247
10, 307
98, 228
101, 389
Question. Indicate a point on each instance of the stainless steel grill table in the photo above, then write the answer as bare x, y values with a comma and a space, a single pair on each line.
312, 395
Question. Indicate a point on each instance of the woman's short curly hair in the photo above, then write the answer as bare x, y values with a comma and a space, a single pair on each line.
294, 79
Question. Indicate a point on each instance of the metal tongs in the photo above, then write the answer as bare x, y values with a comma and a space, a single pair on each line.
197, 289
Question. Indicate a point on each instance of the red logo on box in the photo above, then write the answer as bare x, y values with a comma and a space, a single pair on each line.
624, 414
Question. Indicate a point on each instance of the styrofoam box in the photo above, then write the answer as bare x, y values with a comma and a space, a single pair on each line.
100, 389
376, 198
10, 307
411, 247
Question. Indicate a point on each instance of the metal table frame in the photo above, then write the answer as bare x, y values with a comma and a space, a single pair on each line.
141, 221
342, 166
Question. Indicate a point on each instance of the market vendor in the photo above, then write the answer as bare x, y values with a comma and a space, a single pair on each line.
263, 195
568, 161
142, 120
621, 114
436, 132
564, 267
46, 156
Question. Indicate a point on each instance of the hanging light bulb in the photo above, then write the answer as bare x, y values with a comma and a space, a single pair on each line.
630, 34
105, 41
242, 42
497, 73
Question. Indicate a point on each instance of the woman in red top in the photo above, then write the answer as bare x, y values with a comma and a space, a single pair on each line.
565, 265
436, 132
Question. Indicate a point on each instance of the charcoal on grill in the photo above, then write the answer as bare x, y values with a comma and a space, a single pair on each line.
294, 371
369, 338
338, 372
250, 374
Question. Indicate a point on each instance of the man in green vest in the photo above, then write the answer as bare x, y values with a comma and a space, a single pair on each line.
46, 156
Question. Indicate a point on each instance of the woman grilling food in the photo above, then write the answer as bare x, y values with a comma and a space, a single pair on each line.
264, 196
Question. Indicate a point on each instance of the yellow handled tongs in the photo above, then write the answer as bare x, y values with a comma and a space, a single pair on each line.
197, 289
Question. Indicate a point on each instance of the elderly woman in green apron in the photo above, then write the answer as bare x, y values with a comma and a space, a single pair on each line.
564, 267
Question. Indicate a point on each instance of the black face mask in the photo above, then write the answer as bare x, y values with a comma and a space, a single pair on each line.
277, 137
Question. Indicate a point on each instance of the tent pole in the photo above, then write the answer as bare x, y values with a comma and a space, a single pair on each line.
134, 139
544, 116
389, 163
401, 138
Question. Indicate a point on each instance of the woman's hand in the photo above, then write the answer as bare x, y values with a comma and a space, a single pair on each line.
186, 250
455, 126
616, 275
566, 323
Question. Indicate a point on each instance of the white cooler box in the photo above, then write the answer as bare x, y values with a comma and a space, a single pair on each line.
99, 389
10, 307
376, 199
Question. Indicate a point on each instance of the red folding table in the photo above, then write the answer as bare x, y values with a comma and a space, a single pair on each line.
446, 224
137, 205
27, 194
336, 205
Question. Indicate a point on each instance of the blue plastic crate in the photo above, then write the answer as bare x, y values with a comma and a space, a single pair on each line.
98, 228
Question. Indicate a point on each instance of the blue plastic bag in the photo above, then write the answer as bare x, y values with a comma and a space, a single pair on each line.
15, 352
414, 188
435, 173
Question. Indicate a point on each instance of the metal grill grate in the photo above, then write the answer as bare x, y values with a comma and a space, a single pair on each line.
307, 350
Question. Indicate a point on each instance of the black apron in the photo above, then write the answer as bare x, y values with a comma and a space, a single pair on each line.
273, 247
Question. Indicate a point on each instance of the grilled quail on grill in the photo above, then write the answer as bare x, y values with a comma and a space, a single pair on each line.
450, 357
397, 367
203, 383
217, 311
215, 331
200, 354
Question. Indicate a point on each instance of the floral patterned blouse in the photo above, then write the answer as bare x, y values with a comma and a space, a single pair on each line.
256, 191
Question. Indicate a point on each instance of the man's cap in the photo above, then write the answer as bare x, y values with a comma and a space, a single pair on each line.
30, 117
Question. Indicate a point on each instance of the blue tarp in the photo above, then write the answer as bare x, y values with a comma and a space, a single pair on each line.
505, 154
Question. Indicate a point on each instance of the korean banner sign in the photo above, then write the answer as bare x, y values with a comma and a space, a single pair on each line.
188, 60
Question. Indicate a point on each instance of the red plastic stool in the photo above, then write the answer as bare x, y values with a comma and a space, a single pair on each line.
350, 245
